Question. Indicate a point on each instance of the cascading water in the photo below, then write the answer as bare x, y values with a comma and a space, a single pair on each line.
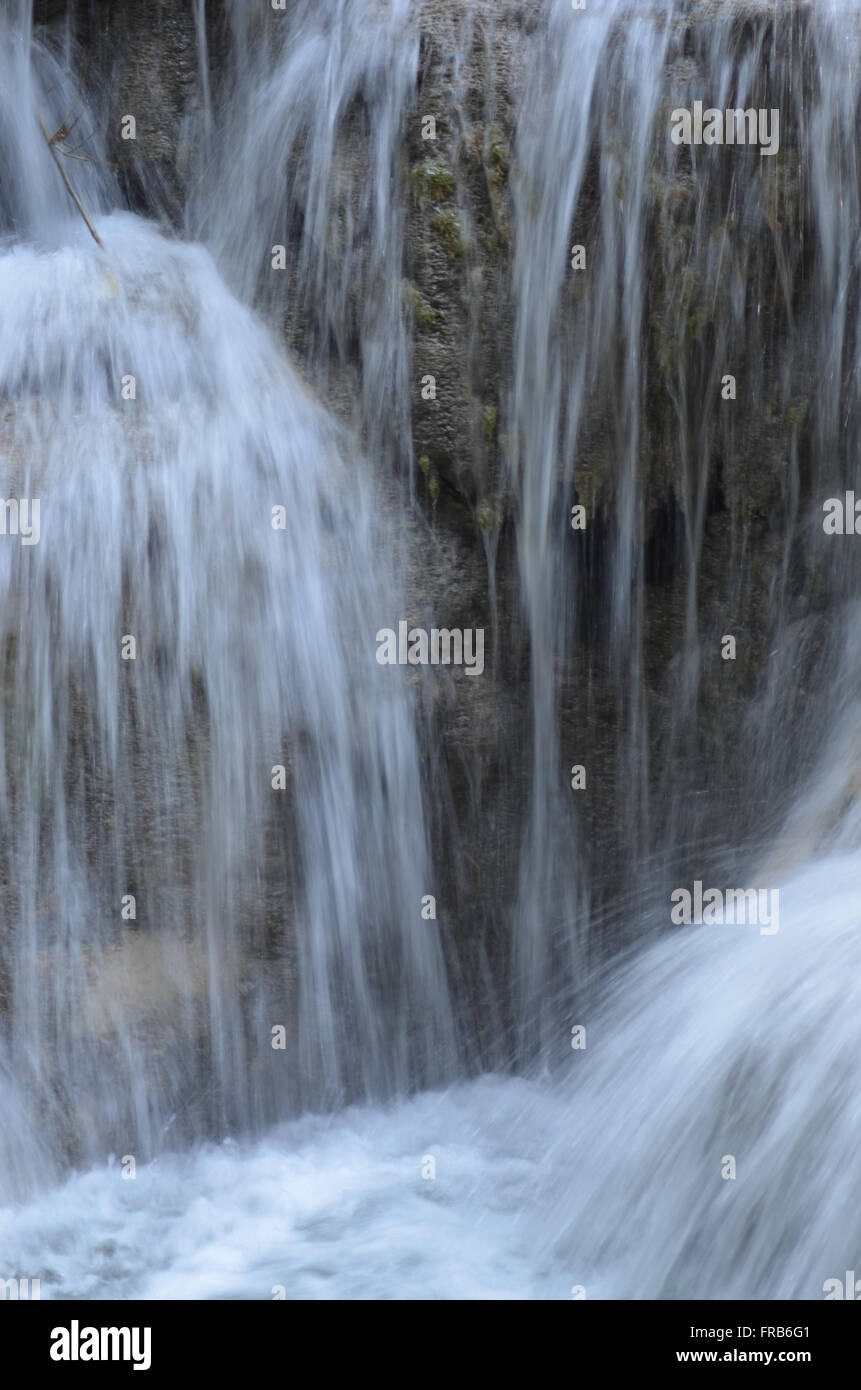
694, 271
223, 829
286, 111
193, 501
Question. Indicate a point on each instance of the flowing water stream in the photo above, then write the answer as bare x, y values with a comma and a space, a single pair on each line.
220, 829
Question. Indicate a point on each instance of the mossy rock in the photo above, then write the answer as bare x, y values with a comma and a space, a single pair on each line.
447, 225
499, 159
423, 313
434, 181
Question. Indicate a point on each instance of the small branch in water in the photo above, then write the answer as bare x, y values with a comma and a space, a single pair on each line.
50, 142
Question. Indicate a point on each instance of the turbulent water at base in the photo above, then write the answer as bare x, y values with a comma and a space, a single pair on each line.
604, 1179
146, 401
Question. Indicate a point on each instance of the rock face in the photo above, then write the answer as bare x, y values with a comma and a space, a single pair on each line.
141, 60
738, 258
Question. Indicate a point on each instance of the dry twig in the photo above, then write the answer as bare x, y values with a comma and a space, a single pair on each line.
51, 141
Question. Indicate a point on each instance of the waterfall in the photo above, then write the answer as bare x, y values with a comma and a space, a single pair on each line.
285, 108
220, 816
194, 501
596, 362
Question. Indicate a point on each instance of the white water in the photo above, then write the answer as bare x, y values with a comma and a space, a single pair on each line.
607, 1175
255, 648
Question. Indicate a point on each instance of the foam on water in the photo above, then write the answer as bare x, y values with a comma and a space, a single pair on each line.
607, 1175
